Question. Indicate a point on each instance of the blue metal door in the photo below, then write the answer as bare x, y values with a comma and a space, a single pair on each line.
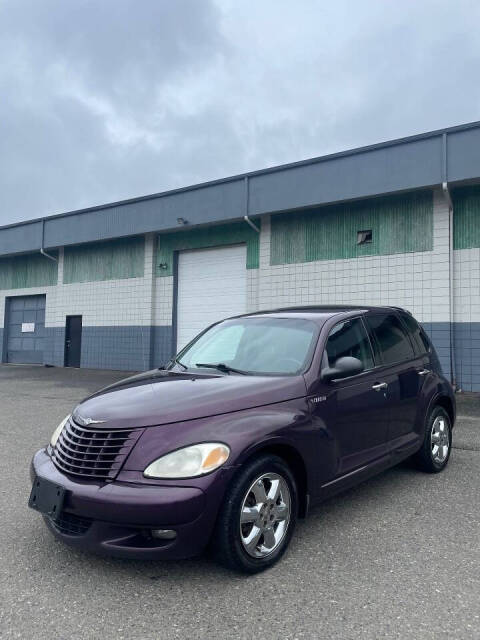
25, 329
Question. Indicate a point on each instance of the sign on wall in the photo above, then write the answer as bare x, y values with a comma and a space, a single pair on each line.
28, 327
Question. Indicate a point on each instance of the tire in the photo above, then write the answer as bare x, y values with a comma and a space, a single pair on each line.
270, 515
433, 457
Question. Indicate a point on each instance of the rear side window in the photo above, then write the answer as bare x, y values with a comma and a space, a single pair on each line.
349, 338
390, 338
417, 334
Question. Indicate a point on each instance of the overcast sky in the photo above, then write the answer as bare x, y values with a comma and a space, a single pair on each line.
102, 100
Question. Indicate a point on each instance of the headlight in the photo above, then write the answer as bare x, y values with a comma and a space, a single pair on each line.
195, 460
58, 431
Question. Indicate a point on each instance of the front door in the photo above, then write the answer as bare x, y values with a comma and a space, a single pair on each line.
356, 408
73, 341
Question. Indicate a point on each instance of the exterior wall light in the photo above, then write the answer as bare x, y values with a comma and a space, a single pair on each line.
163, 265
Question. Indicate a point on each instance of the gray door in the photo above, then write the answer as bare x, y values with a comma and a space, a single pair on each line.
25, 327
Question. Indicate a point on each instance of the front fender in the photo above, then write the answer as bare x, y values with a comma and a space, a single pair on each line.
245, 432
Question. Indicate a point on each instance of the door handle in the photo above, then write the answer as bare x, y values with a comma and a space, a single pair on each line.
379, 386
423, 372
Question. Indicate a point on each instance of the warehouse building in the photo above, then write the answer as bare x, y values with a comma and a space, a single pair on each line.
125, 285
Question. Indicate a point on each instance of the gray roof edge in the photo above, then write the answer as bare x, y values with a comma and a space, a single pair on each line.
255, 173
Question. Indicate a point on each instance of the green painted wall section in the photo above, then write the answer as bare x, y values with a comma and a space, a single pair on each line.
400, 224
466, 217
32, 270
218, 235
112, 260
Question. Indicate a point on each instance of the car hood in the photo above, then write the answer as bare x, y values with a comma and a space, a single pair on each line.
163, 397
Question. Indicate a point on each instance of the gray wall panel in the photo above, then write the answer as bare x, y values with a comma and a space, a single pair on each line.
119, 348
162, 345
467, 351
198, 206
21, 238
54, 351
388, 169
464, 155
124, 348
129, 348
467, 355
398, 165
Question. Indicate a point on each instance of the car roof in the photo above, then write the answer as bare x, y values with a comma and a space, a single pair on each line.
319, 312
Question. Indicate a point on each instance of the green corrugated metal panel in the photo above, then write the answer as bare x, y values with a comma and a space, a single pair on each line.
218, 235
466, 217
399, 224
116, 259
32, 270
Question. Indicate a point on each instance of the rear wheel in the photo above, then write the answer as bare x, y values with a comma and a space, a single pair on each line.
435, 452
258, 516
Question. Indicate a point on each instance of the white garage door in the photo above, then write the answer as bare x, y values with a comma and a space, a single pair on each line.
212, 285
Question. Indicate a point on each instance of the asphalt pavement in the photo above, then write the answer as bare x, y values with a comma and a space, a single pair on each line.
396, 557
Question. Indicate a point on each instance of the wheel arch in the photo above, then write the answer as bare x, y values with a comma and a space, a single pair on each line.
293, 458
446, 403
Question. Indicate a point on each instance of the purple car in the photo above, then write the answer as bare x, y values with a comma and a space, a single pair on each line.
257, 419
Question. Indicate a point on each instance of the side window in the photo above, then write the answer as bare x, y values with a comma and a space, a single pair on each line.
390, 337
349, 338
416, 332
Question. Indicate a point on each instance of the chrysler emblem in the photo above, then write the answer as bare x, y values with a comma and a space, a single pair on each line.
84, 422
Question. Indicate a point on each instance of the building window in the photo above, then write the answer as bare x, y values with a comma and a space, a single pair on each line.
364, 237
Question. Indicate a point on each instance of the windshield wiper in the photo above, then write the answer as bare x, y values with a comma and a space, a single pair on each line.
221, 367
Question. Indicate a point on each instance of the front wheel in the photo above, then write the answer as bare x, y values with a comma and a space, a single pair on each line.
435, 452
258, 516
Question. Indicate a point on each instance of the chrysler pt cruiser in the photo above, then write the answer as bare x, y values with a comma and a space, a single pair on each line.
258, 418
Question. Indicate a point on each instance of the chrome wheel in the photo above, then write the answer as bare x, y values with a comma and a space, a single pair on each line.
440, 439
265, 515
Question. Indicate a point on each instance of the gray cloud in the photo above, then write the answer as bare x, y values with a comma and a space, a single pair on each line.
104, 100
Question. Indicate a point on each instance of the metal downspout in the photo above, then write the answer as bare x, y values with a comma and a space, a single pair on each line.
247, 198
42, 251
447, 196
448, 200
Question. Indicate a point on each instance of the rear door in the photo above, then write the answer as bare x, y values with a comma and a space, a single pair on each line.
394, 350
355, 409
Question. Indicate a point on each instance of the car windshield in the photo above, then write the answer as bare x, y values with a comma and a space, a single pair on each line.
270, 346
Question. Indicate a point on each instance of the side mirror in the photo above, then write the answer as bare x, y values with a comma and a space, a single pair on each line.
343, 368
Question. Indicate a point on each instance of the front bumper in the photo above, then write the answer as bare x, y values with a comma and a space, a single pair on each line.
116, 518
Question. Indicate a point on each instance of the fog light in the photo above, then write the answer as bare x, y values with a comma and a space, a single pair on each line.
164, 534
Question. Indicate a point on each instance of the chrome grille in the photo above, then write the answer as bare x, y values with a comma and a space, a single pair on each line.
97, 453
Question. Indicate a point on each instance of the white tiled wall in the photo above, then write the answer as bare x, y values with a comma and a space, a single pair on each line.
415, 281
125, 302
163, 301
32, 291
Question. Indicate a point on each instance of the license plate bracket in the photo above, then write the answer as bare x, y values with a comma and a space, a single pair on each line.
47, 497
